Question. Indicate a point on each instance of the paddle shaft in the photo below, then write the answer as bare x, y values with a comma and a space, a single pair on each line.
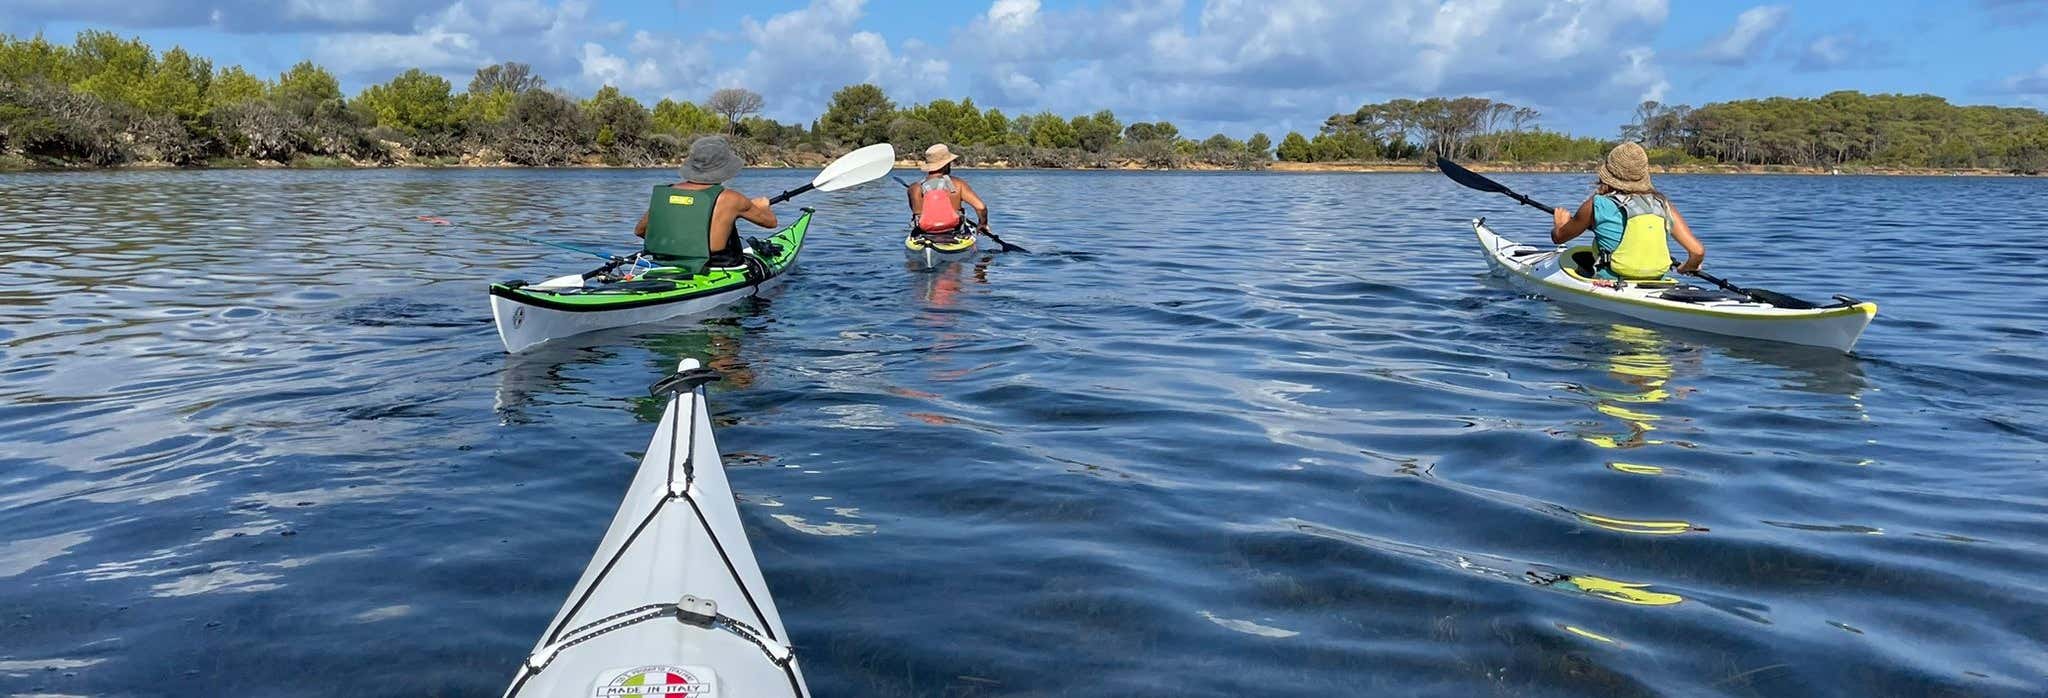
791, 194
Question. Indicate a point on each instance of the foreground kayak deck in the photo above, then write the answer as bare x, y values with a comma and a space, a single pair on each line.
673, 602
1542, 270
529, 315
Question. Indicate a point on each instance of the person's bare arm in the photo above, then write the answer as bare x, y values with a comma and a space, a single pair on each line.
1694, 251
968, 196
916, 202
641, 229
1565, 226
756, 211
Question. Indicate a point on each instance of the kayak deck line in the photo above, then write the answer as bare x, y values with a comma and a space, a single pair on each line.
666, 547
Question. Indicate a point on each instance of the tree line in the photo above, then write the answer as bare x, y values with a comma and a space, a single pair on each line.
105, 100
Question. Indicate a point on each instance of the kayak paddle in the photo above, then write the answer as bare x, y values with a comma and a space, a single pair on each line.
858, 167
1765, 295
1473, 180
1007, 247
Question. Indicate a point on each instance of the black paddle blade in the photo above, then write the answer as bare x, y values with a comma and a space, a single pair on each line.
1468, 178
1760, 295
1781, 300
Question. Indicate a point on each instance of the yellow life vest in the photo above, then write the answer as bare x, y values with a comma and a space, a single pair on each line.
1645, 249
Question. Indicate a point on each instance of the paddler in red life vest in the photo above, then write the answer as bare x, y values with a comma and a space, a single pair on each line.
694, 221
1631, 221
935, 202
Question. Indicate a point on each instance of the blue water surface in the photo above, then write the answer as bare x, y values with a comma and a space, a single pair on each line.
1216, 435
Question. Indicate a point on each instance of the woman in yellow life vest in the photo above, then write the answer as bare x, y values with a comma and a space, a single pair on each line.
1631, 221
694, 222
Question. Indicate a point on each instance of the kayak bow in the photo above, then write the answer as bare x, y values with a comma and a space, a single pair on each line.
673, 602
1548, 272
527, 315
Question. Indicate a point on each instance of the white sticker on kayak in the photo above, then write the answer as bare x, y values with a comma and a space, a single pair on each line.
656, 680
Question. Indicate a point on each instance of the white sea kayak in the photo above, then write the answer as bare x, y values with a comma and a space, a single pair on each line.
673, 603
1555, 273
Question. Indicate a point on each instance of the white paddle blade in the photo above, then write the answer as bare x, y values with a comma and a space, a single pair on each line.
858, 167
560, 282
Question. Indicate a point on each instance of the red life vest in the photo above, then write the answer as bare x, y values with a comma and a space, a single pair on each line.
938, 213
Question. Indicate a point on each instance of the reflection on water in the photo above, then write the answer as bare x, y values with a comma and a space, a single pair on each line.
1143, 459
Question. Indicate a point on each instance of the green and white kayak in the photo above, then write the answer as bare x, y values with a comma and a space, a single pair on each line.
529, 314
673, 603
1555, 273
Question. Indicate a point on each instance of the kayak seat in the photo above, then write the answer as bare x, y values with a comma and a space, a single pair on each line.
1585, 266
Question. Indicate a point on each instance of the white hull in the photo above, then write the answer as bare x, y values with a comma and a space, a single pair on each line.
1537, 270
522, 326
659, 549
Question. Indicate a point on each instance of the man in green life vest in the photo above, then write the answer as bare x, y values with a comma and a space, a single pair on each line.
694, 222
1631, 221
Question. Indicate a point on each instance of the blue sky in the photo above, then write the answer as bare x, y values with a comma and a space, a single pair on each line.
1235, 66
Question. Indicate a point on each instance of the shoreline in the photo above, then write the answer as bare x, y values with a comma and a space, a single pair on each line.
1341, 167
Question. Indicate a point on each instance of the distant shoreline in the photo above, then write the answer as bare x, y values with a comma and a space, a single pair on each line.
1353, 167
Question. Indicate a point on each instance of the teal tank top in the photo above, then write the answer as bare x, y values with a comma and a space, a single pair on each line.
1608, 224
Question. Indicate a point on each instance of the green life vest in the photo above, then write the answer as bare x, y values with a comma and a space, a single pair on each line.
1645, 250
679, 225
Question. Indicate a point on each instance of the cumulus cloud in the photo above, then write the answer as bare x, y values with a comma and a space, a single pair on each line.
833, 53
2031, 83
1845, 50
1753, 29
654, 67
1241, 61
433, 50
467, 34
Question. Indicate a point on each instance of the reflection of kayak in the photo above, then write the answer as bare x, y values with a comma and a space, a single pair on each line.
1555, 274
673, 602
931, 250
531, 314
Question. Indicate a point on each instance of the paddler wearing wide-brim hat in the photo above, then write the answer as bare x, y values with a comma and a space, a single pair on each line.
697, 217
935, 201
1632, 222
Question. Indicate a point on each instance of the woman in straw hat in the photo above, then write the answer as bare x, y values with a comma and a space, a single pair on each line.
699, 214
935, 201
1631, 221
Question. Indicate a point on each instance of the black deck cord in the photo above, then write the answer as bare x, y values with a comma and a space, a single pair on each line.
692, 380
673, 384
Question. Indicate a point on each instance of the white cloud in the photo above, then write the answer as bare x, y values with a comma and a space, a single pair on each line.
1250, 62
2033, 83
464, 35
798, 58
654, 67
432, 50
1841, 50
1753, 29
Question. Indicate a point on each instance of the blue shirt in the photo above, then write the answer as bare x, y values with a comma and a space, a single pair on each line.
1608, 224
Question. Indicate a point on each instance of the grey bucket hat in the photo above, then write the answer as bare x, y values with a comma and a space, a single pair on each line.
712, 160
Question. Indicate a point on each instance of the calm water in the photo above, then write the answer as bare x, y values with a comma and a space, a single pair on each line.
1219, 435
